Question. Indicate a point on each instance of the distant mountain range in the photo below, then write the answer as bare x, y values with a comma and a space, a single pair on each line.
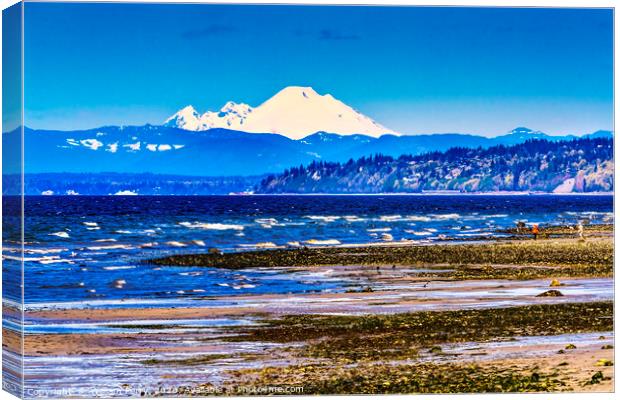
576, 166
232, 148
294, 112
222, 152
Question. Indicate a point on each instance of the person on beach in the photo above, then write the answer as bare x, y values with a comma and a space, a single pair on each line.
580, 231
535, 231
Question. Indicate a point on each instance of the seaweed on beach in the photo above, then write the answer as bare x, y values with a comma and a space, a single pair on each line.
401, 336
399, 379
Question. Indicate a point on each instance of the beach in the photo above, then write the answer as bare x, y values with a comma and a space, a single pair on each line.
329, 295
414, 319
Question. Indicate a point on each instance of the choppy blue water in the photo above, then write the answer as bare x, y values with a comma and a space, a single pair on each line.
86, 251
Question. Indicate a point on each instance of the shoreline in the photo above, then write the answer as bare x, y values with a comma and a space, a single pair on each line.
500, 315
357, 301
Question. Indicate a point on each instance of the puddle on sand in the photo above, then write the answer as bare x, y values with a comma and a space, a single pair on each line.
169, 326
519, 347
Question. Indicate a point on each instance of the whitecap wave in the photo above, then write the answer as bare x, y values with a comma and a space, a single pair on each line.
326, 242
244, 286
41, 260
61, 234
176, 244
390, 218
447, 216
55, 260
323, 218
110, 247
120, 267
418, 233
261, 245
418, 218
387, 237
33, 251
191, 273
211, 226
266, 221
379, 230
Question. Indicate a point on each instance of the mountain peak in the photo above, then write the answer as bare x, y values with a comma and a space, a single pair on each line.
185, 118
521, 130
294, 112
303, 91
189, 109
237, 108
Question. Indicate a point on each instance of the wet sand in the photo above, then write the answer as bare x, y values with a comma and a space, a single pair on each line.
389, 295
575, 367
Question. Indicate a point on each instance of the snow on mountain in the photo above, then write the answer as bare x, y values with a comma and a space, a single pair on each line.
186, 118
294, 112
524, 132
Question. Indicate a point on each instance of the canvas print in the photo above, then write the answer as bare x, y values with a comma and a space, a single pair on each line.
204, 199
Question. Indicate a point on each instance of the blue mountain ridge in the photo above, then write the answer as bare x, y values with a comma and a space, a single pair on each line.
221, 152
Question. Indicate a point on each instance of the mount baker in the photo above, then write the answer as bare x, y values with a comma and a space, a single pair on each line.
294, 112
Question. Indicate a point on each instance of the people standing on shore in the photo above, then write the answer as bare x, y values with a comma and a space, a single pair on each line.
580, 231
535, 231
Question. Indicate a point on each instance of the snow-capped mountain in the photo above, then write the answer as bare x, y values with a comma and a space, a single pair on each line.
294, 112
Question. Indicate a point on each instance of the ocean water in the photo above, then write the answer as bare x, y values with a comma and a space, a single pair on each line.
88, 251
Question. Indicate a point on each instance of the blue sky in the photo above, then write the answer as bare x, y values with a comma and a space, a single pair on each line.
413, 69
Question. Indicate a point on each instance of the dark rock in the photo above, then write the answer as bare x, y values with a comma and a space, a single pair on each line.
550, 293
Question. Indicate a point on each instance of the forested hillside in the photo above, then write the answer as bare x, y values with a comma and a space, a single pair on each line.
581, 165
